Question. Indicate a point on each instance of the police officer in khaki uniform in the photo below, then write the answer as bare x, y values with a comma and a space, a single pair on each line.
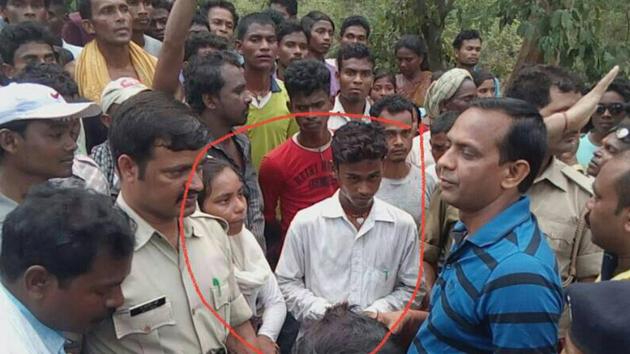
155, 141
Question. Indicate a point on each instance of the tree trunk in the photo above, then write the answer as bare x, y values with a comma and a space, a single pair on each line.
530, 54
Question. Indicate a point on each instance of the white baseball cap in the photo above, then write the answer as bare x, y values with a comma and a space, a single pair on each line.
34, 101
120, 90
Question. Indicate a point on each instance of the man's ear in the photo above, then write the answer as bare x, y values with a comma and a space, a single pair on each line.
209, 101
38, 281
515, 173
8, 70
238, 45
626, 219
127, 168
88, 27
106, 119
8, 140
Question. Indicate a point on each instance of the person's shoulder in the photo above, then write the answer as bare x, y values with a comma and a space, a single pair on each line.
574, 177
280, 152
206, 223
315, 211
396, 215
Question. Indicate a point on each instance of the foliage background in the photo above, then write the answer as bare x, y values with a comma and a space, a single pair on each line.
588, 36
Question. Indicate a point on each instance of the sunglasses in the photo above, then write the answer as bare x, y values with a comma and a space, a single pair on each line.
613, 108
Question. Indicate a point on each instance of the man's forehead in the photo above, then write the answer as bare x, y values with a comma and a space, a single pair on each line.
99, 4
357, 64
259, 29
322, 24
34, 46
480, 125
404, 117
294, 36
12, 2
355, 30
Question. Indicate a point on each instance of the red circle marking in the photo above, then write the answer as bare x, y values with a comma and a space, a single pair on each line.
244, 129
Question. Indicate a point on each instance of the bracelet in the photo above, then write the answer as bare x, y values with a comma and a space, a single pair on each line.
566, 122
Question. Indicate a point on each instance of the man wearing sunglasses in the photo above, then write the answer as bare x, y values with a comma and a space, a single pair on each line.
610, 112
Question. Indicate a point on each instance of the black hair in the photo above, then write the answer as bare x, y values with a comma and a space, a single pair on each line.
3, 4
344, 330
311, 18
305, 77
358, 141
250, 19
354, 51
290, 5
17, 126
381, 73
150, 118
444, 122
63, 230
621, 86
480, 76
202, 76
622, 185
162, 4
415, 44
51, 75
14, 36
210, 169
85, 9
355, 20
275, 15
465, 35
526, 139
287, 28
200, 19
203, 39
205, 8
392, 104
533, 84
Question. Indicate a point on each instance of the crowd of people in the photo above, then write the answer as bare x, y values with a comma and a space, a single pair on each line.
460, 215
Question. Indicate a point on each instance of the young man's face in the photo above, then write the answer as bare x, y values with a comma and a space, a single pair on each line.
399, 137
141, 14
439, 145
408, 61
88, 299
355, 78
281, 9
486, 89
111, 21
233, 100
610, 111
46, 149
166, 171
158, 23
358, 182
259, 47
321, 38
470, 174
57, 16
27, 53
18, 11
382, 87
468, 53
611, 147
610, 225
292, 47
221, 22
318, 101
354, 34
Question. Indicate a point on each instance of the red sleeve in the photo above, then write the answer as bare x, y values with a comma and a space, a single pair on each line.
271, 180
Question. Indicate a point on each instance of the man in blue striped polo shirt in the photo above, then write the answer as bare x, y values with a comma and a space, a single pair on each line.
499, 290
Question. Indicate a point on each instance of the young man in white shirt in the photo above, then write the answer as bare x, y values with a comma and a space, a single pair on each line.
350, 247
356, 73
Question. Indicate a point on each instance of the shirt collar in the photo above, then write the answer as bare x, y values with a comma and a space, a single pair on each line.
334, 210
52, 339
553, 174
338, 108
274, 85
500, 225
144, 231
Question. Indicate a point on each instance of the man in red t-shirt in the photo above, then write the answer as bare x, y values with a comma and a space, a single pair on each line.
298, 173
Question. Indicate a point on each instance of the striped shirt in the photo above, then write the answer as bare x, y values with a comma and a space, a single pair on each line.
499, 290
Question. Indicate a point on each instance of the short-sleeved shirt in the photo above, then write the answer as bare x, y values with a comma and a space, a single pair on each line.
266, 137
585, 151
558, 198
162, 313
336, 122
499, 290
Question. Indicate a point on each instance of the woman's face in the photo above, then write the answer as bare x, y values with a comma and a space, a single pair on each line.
227, 200
381, 88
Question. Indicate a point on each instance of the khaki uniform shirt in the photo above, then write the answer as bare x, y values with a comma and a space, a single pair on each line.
439, 222
162, 313
558, 199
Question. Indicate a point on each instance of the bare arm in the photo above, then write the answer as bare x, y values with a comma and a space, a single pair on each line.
169, 65
578, 115
245, 331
